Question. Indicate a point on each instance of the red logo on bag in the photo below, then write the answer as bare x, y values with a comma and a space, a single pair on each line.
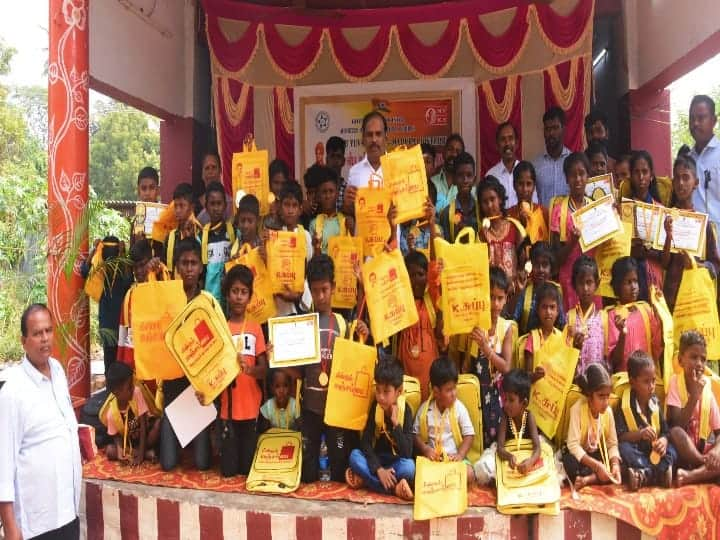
287, 452
203, 333
292, 242
256, 172
392, 274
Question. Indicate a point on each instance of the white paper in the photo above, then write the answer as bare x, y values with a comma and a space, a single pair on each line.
598, 222
647, 221
688, 233
187, 417
293, 340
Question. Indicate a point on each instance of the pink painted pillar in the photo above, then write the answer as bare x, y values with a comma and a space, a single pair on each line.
68, 187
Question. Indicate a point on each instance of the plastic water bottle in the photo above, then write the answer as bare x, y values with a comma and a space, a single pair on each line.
324, 461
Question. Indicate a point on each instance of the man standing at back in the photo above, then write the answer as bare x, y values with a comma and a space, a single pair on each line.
445, 180
506, 140
374, 139
706, 152
40, 470
549, 165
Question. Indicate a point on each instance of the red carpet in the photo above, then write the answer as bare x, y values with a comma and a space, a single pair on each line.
689, 512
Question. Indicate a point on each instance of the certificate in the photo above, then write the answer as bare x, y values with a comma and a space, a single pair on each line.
688, 231
295, 340
647, 221
146, 214
597, 222
598, 187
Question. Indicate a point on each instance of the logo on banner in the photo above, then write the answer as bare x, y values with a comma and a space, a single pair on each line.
436, 116
322, 121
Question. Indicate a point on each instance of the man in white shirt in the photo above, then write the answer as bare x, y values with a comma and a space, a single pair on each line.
40, 475
506, 140
374, 139
706, 152
549, 165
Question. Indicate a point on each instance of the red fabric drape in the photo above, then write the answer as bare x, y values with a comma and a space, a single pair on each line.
358, 64
490, 97
284, 138
575, 103
429, 60
231, 134
565, 31
499, 51
496, 53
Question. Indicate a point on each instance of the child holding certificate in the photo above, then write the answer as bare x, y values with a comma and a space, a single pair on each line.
591, 455
315, 379
694, 415
564, 236
505, 236
644, 189
685, 182
633, 324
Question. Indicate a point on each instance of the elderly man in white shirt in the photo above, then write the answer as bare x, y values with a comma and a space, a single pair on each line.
40, 471
506, 140
706, 152
374, 139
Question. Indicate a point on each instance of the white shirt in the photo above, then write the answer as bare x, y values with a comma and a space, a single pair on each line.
708, 199
359, 174
40, 471
499, 171
448, 442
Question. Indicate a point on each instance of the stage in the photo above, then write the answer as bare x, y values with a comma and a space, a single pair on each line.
147, 503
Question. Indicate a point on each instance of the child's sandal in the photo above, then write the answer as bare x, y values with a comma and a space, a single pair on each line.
353, 480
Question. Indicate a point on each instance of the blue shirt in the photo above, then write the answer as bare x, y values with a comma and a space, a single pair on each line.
707, 199
550, 176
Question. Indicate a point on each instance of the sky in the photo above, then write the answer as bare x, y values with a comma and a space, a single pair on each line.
24, 26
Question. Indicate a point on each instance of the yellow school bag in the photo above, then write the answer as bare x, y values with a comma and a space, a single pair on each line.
277, 464
440, 489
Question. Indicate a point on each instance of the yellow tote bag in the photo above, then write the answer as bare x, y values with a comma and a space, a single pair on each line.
262, 305
155, 304
666, 320
345, 251
351, 379
277, 463
607, 253
286, 252
465, 282
547, 397
696, 308
201, 342
371, 208
388, 294
537, 492
537, 228
404, 176
250, 173
440, 488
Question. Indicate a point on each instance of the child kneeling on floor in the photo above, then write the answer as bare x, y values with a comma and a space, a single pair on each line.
443, 429
384, 461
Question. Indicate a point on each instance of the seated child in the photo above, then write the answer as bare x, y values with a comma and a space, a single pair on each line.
218, 236
641, 428
493, 355
328, 222
129, 420
524, 312
281, 410
519, 420
591, 455
439, 439
693, 415
384, 462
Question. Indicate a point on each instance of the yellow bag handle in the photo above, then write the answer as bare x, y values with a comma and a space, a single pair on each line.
466, 231
375, 181
351, 333
165, 273
249, 143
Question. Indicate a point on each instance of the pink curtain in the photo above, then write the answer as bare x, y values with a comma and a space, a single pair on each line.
499, 51
231, 130
284, 138
570, 94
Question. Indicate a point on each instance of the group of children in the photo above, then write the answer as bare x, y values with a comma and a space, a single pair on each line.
643, 441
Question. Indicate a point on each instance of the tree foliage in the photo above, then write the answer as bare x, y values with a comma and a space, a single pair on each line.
122, 142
